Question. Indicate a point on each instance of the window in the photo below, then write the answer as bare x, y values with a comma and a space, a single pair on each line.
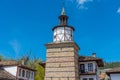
32, 75
88, 78
84, 78
23, 73
82, 68
27, 74
19, 72
91, 79
90, 66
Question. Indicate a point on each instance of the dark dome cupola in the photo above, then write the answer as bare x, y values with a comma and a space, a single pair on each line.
63, 17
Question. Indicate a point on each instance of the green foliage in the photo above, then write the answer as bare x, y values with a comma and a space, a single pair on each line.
39, 74
111, 65
25, 58
1, 57
34, 64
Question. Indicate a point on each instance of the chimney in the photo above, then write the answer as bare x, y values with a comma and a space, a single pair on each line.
23, 63
94, 55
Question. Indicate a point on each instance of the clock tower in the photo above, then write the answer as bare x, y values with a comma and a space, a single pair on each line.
62, 53
63, 32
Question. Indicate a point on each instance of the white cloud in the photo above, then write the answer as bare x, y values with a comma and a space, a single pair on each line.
118, 11
82, 2
15, 45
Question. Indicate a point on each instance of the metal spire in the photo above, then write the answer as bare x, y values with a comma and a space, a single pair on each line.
63, 11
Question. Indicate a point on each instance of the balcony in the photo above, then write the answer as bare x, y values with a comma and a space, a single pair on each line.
86, 72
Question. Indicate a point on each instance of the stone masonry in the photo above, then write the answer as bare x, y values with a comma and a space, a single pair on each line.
62, 61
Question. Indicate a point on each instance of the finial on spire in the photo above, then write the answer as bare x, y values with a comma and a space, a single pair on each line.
63, 17
63, 10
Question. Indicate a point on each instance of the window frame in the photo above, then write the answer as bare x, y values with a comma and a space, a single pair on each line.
91, 78
20, 71
82, 69
90, 67
23, 73
84, 79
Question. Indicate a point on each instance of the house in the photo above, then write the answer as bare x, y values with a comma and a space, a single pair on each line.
89, 67
4, 75
114, 73
62, 59
12, 70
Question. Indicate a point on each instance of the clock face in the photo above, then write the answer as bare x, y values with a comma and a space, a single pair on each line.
68, 31
60, 31
62, 34
68, 35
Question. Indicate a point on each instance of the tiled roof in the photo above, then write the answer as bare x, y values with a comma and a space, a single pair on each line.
8, 63
43, 64
114, 70
4, 75
13, 63
89, 58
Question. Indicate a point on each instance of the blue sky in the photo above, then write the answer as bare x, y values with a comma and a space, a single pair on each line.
27, 25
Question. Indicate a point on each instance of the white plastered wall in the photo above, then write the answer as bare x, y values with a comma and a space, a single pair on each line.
30, 78
88, 76
86, 65
115, 76
11, 69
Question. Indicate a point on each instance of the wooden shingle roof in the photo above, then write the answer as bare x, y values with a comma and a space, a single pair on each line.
8, 63
4, 75
99, 61
113, 71
13, 63
43, 64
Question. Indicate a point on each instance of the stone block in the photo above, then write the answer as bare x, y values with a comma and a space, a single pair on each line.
48, 79
54, 50
65, 59
64, 78
60, 54
60, 69
68, 49
62, 64
60, 74
55, 79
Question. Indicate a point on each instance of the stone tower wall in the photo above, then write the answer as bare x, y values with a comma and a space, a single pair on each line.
62, 61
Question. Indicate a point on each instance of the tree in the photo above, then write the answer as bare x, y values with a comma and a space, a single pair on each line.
25, 58
39, 74
1, 57
34, 64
